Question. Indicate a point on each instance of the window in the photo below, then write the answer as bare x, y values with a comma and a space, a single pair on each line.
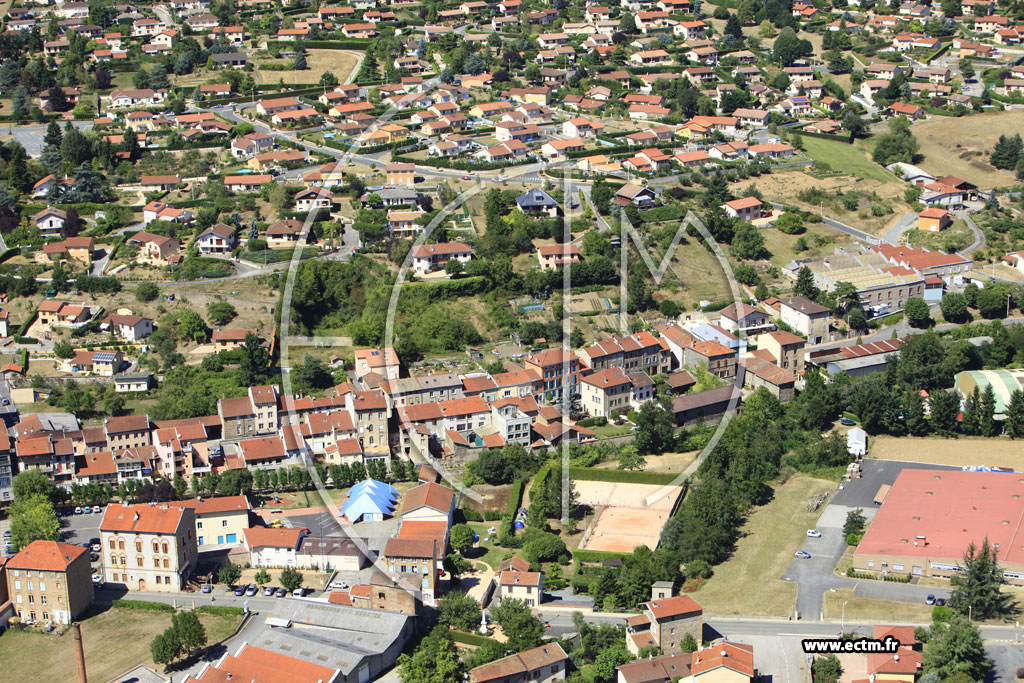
156, 547
17, 584
199, 525
42, 585
139, 561
156, 562
31, 599
165, 546
167, 563
224, 522
113, 544
138, 546
42, 599
120, 544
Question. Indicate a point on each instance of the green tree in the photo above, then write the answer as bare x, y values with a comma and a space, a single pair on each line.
262, 577
987, 412
191, 326
312, 374
180, 485
899, 144
543, 546
459, 611
826, 669
977, 588
688, 643
790, 223
220, 313
524, 630
229, 574
944, 408
955, 647
290, 579
855, 523
630, 459
917, 312
253, 366
435, 660
461, 538
33, 519
190, 631
165, 647
954, 307
34, 483
147, 291
655, 431
63, 349
614, 656
805, 284
1014, 424
856, 320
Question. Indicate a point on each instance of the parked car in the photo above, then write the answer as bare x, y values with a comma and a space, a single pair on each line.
338, 586
97, 579
96, 509
7, 533
96, 547
282, 593
813, 533
930, 600
251, 590
95, 540
268, 591
78, 510
94, 557
802, 554
940, 602
6, 401
299, 592
207, 588
86, 510
239, 591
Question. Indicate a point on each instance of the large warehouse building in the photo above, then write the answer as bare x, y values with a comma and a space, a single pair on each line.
929, 517
1003, 383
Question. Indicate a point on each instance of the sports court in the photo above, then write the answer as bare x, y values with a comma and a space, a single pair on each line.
624, 518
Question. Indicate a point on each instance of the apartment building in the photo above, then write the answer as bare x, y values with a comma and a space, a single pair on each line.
254, 413
785, 347
50, 582
415, 562
605, 392
221, 521
542, 664
129, 431
640, 351
807, 317
554, 371
149, 547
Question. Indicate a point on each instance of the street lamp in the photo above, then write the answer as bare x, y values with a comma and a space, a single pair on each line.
842, 619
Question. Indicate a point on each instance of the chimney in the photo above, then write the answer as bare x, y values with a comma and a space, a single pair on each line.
136, 515
79, 652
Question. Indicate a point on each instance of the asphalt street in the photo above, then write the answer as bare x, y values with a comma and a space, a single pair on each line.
31, 137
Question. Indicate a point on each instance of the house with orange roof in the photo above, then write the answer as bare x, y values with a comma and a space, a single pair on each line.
664, 623
270, 547
545, 664
724, 662
252, 663
49, 582
221, 521
148, 547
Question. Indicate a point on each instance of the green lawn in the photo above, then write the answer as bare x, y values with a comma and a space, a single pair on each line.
493, 553
843, 157
608, 430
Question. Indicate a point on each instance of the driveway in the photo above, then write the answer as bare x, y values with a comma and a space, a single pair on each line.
907, 222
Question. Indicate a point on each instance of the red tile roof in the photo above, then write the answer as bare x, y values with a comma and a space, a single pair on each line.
671, 607
260, 537
144, 519
429, 495
736, 656
48, 556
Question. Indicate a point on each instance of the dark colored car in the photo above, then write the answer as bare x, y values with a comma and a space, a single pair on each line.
239, 591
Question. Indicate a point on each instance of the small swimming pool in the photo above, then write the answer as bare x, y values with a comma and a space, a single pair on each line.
533, 307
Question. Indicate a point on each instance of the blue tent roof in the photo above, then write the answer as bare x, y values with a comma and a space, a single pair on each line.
369, 497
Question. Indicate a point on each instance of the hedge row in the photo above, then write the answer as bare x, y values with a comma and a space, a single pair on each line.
824, 136
220, 610
9, 253
579, 556
458, 164
470, 638
620, 476
516, 497
143, 605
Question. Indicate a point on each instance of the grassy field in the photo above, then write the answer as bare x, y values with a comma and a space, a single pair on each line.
843, 157
749, 583
877, 611
40, 657
961, 146
820, 241
956, 237
669, 463
962, 451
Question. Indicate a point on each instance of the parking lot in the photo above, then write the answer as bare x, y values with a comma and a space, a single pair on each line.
815, 575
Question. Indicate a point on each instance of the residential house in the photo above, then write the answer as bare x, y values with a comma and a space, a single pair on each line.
148, 547
665, 622
49, 582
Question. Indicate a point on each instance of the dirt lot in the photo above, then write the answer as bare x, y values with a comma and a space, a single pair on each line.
961, 146
40, 657
963, 451
339, 62
785, 187
748, 582
620, 530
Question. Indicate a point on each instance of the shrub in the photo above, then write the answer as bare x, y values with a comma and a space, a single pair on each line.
491, 515
220, 610
142, 605
471, 515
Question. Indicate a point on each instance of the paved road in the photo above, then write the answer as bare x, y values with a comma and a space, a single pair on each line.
901, 329
905, 223
979, 236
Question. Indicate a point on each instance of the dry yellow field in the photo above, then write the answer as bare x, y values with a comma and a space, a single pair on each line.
961, 146
339, 62
877, 611
749, 583
963, 451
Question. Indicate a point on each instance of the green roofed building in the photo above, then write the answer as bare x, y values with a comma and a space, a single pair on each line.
1003, 383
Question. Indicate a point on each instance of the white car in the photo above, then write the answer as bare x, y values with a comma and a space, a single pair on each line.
97, 579
338, 586
813, 533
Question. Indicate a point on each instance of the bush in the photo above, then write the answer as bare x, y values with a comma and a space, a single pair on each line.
597, 555
471, 515
142, 605
853, 539
620, 476
491, 515
220, 610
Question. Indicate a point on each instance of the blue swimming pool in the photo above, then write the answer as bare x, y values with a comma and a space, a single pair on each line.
533, 307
